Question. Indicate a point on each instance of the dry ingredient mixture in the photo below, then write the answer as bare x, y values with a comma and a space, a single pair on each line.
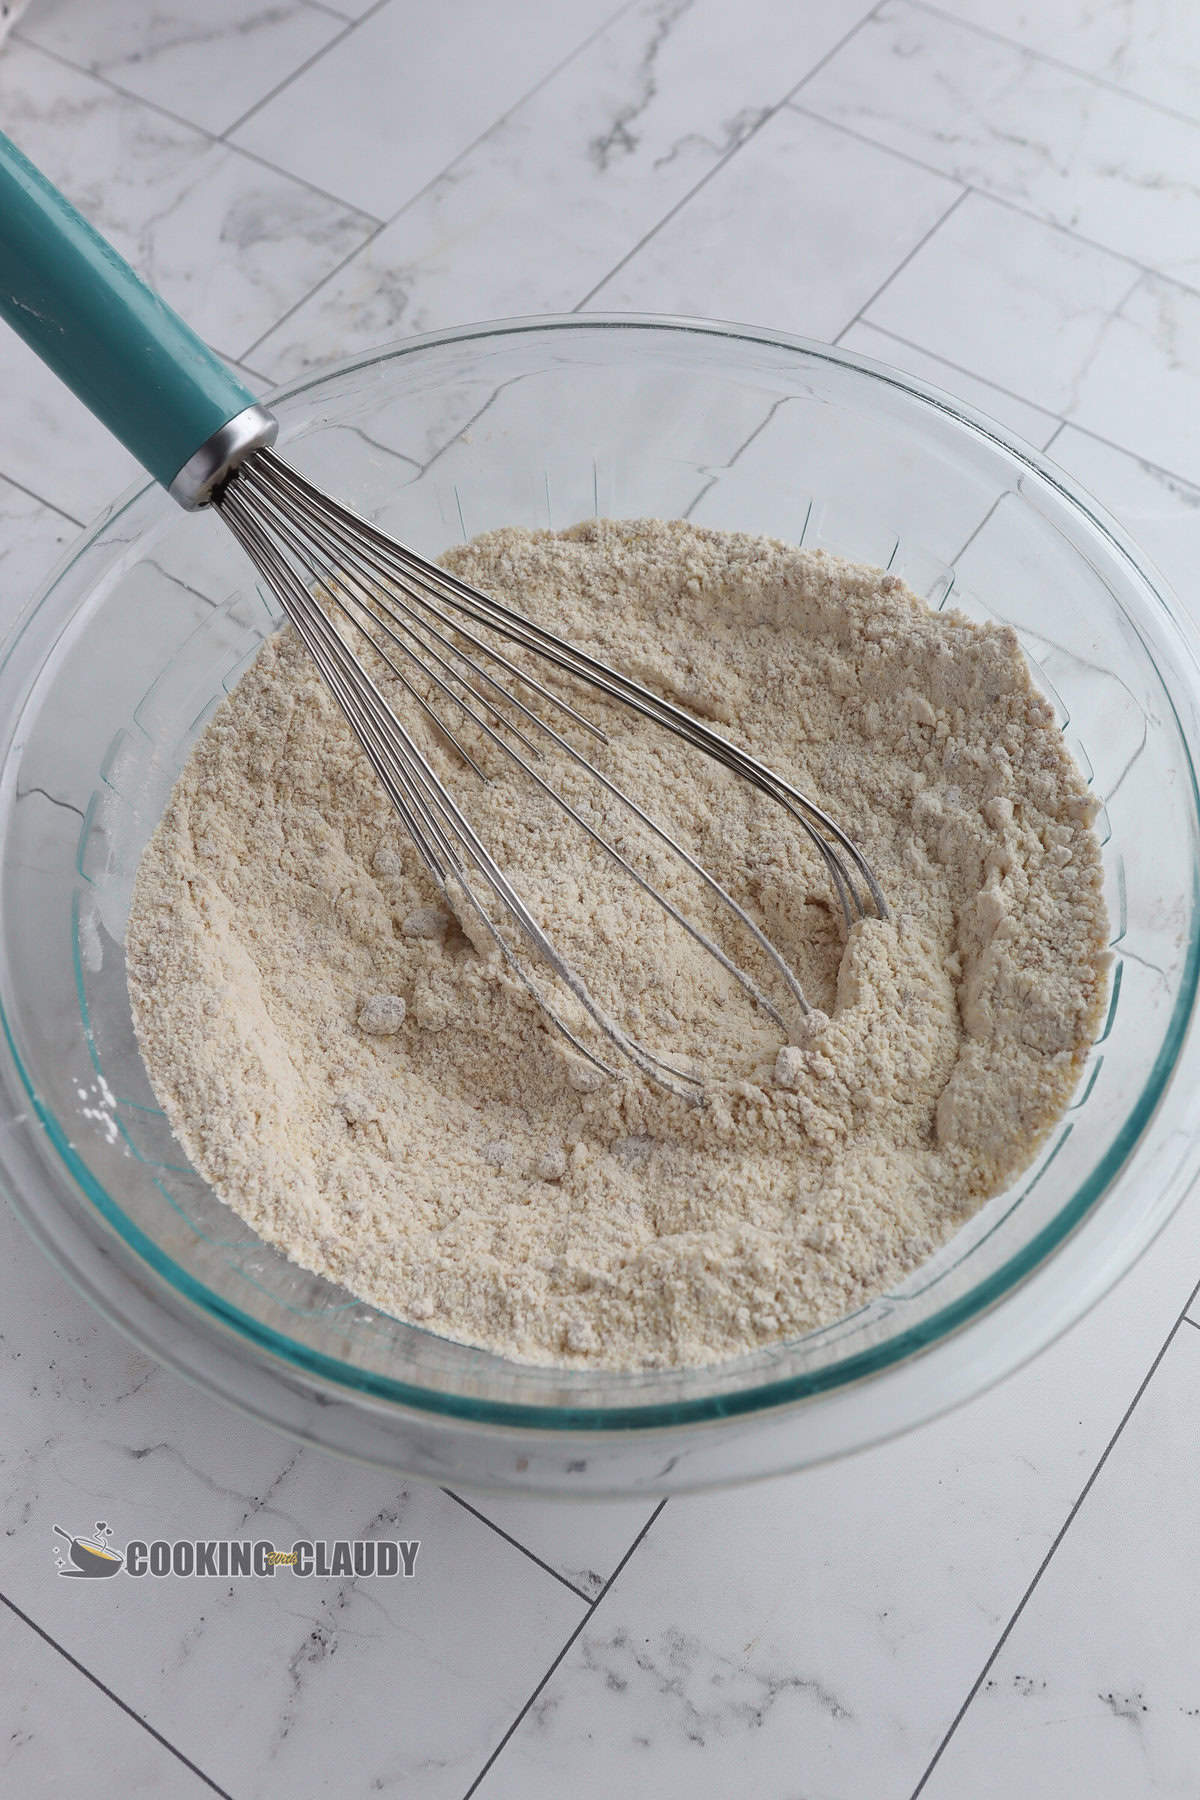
375, 1094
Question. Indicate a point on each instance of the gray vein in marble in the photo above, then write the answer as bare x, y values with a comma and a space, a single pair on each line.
1130, 1706
732, 134
323, 1637
260, 1502
171, 1453
620, 138
705, 1692
766, 115
172, 33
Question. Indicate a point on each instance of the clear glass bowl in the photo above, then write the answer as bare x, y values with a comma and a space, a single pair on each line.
113, 671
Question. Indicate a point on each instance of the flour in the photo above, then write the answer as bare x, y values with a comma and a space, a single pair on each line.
373, 1091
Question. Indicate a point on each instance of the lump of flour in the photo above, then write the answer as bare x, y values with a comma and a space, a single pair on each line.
382, 1014
345, 1058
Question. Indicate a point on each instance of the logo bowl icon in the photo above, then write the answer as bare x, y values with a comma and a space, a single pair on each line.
92, 1558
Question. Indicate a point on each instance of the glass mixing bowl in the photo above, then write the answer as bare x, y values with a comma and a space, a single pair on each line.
113, 671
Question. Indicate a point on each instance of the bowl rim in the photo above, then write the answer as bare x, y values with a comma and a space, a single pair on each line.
916, 1340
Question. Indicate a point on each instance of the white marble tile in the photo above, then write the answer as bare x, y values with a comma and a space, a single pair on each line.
1098, 163
584, 1542
1030, 422
1008, 299
229, 243
57, 1730
318, 1687
780, 237
1151, 48
640, 115
50, 441
32, 539
1160, 511
1096, 1691
1069, 327
10, 12
208, 65
1141, 385
399, 98
817, 1635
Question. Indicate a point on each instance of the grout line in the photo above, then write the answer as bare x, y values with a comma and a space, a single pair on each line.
1188, 1320
323, 6
350, 26
566, 1647
916, 162
426, 187
1061, 1534
1146, 462
999, 199
307, 295
302, 181
115, 1698
771, 113
264, 381
960, 368
903, 264
516, 1543
983, 380
1055, 62
214, 140
528, 94
963, 548
558, 67
24, 488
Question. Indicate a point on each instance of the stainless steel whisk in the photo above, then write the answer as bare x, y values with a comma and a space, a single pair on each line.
365, 604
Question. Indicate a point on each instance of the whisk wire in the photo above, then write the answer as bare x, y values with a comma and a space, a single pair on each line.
326, 564
427, 810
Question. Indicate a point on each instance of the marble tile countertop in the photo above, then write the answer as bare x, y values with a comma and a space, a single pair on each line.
1002, 196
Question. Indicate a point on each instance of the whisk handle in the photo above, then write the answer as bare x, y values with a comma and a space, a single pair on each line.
131, 360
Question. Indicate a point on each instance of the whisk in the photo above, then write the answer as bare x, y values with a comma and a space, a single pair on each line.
396, 638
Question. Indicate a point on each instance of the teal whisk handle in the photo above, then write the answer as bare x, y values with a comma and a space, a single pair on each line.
131, 360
